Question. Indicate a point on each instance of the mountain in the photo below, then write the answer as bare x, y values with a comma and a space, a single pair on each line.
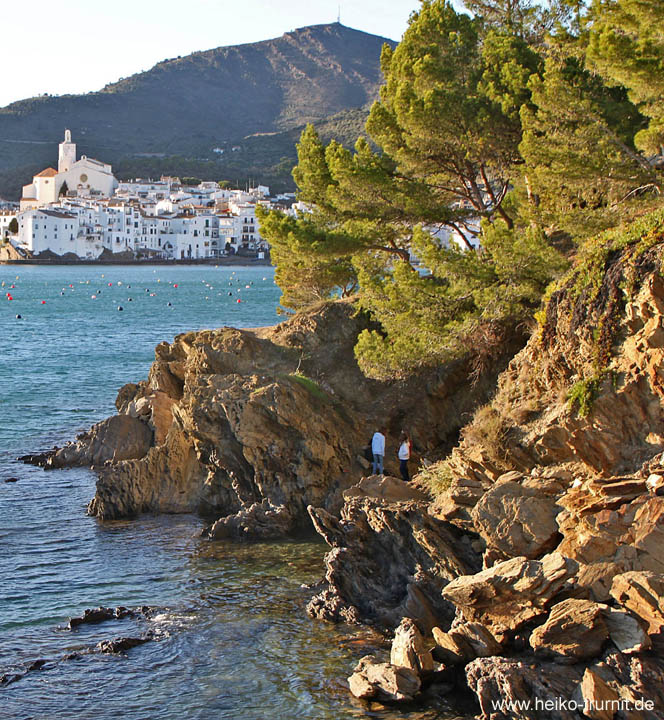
250, 96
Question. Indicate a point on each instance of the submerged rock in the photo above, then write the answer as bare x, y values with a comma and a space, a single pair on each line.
122, 644
260, 521
102, 614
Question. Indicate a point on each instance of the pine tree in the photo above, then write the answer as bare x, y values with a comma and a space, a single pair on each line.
580, 171
627, 45
448, 129
440, 116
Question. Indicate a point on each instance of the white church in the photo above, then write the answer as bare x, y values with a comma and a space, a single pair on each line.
85, 178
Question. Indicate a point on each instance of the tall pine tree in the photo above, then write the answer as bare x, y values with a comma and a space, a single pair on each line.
627, 45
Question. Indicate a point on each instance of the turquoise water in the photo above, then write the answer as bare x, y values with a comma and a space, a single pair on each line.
231, 636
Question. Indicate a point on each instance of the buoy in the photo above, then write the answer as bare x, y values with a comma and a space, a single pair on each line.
170, 304
12, 286
19, 317
175, 285
238, 300
230, 293
130, 300
110, 284
43, 302
120, 308
93, 297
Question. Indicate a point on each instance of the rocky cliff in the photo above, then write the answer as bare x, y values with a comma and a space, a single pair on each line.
534, 578
252, 426
557, 490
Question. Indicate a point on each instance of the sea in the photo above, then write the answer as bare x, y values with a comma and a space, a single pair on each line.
230, 636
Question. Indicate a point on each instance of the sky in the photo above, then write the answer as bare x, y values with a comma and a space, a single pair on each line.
77, 46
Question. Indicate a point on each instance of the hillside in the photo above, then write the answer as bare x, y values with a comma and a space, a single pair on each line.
254, 97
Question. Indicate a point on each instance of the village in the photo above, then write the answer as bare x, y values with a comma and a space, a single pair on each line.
82, 212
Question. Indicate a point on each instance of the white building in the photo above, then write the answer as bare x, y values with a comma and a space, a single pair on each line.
93, 214
85, 178
6, 216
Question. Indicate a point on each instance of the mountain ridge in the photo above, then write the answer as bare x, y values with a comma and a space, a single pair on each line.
185, 107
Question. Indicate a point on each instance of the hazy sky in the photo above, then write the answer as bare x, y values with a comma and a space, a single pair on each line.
75, 46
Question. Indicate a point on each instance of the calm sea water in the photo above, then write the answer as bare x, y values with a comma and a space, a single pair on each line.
232, 638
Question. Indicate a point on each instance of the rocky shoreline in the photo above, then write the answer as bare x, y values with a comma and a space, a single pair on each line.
526, 567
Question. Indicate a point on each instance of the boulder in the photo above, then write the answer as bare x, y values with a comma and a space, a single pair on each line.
409, 649
451, 648
260, 521
593, 581
457, 502
600, 526
383, 681
474, 635
575, 630
516, 690
516, 520
636, 682
627, 633
510, 594
643, 593
598, 697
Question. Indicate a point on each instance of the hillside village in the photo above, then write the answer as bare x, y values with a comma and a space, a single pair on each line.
81, 211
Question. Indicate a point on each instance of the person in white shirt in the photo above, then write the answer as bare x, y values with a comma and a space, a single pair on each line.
378, 450
404, 455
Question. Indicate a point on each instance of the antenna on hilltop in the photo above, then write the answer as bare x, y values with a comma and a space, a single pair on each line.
339, 15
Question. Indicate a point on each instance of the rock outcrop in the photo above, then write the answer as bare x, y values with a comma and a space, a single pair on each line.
389, 560
253, 426
559, 483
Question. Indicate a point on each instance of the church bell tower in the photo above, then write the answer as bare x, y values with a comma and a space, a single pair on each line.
67, 154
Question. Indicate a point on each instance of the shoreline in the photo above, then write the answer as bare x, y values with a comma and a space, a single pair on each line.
239, 261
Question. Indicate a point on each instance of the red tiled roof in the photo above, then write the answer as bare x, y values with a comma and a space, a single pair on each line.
49, 172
